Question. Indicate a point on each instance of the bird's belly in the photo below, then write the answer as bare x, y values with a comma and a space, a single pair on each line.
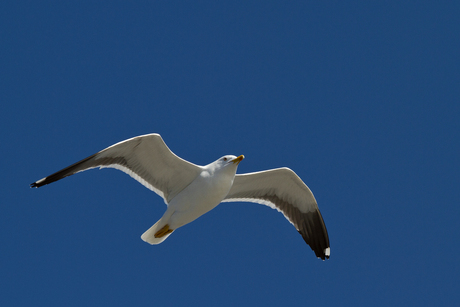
195, 200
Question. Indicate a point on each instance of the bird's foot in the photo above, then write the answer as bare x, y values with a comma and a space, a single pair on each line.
163, 231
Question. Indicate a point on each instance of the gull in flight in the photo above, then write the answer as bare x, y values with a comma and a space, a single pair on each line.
190, 190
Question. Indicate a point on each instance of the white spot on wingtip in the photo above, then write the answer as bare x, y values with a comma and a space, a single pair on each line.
40, 181
327, 251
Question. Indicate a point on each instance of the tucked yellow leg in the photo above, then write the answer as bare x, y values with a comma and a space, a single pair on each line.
163, 231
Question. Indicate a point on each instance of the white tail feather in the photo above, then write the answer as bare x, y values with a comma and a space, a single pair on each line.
149, 235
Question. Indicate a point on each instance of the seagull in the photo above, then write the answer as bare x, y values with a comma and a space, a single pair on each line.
190, 190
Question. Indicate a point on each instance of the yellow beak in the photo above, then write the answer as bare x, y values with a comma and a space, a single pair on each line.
238, 160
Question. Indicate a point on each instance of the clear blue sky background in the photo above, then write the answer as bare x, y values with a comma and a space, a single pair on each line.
360, 98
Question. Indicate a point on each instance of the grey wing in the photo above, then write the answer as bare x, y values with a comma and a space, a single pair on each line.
146, 158
283, 190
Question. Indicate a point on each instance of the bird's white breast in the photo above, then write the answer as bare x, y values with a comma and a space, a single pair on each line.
202, 195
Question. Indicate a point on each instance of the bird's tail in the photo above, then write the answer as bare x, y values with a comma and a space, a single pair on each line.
149, 235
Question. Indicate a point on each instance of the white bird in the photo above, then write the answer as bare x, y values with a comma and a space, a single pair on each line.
190, 190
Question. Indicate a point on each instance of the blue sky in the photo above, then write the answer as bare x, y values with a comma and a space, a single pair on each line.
360, 99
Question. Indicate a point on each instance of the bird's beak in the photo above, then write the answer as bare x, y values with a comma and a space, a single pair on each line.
238, 160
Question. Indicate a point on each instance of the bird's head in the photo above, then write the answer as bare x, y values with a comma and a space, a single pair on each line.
230, 160
226, 162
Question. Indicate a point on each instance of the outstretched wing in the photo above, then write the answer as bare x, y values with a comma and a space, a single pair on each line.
283, 190
146, 158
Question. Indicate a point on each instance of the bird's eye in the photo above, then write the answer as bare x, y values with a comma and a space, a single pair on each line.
225, 159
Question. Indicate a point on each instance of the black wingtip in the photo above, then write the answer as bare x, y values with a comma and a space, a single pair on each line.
38, 183
325, 254
315, 234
